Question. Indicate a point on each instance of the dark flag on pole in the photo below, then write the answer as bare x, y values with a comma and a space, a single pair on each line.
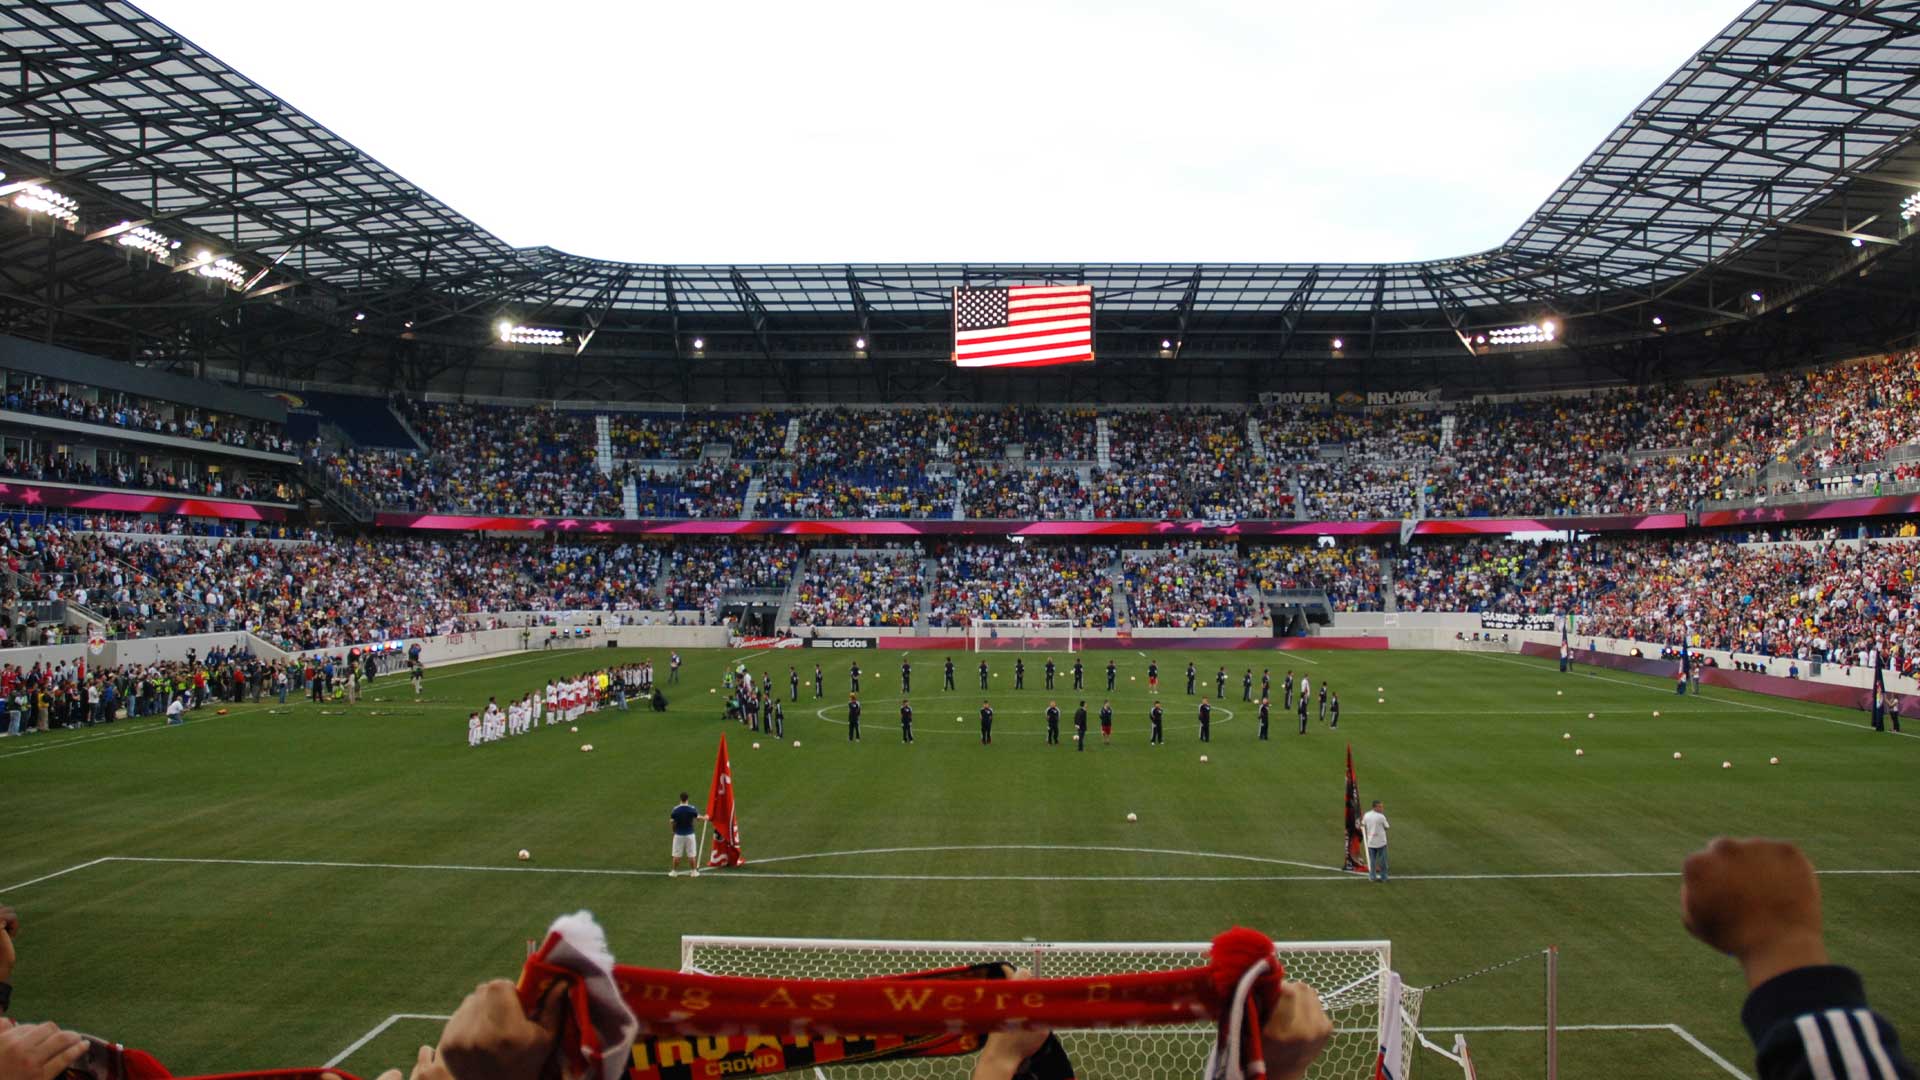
1879, 692
1356, 850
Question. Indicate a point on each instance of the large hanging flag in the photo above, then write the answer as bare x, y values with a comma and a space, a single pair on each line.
1356, 848
723, 814
1386, 1066
1022, 325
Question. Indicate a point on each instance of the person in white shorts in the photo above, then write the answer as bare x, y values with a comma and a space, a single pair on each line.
685, 844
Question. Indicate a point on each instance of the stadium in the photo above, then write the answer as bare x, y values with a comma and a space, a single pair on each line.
411, 574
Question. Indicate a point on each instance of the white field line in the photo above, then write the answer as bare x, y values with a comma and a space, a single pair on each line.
56, 873
1050, 847
1326, 876
89, 740
377, 1031
1715, 698
1684, 1035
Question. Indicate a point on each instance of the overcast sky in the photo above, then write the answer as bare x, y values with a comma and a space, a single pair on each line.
1014, 132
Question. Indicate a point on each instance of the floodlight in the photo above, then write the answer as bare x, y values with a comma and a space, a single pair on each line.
514, 334
1910, 207
35, 199
149, 241
1338, 344
859, 343
699, 343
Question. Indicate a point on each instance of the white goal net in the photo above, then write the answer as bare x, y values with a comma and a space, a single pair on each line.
1024, 635
1350, 976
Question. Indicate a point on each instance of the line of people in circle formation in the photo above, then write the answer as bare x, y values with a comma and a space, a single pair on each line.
756, 704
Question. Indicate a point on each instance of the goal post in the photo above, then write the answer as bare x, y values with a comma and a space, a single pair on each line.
1351, 977
1024, 635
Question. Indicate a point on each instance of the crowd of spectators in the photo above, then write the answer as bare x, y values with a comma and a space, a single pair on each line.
860, 588
697, 573
1193, 585
1023, 581
1349, 574
708, 489
1826, 600
874, 491
112, 408
751, 436
117, 470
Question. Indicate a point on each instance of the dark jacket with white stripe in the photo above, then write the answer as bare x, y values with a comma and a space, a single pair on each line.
1812, 1023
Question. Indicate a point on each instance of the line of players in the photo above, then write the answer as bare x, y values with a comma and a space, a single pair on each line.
564, 701
757, 706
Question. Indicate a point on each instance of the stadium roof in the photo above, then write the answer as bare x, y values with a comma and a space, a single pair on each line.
1771, 165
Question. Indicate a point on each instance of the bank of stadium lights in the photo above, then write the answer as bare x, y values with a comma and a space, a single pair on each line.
513, 333
1910, 207
48, 203
1524, 334
219, 268
148, 242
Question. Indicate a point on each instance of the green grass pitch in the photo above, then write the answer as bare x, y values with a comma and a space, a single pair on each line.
317, 869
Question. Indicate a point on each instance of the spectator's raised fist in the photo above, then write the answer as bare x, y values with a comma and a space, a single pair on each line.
1757, 901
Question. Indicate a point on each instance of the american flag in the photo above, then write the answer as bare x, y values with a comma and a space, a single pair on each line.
1027, 325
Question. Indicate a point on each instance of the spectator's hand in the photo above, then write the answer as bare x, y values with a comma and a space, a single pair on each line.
9, 929
1757, 901
1000, 1058
492, 1038
37, 1051
426, 1066
1295, 1033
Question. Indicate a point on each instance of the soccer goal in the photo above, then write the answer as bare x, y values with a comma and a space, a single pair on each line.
1024, 635
1351, 977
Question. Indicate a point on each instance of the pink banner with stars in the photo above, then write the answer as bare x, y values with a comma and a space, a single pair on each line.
54, 497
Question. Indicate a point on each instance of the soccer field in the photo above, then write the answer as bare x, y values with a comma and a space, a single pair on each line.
271, 886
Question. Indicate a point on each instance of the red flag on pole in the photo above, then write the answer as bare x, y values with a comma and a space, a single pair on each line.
1356, 851
720, 811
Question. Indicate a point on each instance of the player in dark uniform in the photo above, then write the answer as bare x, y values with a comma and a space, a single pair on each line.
1020, 673
1053, 724
1286, 701
767, 705
779, 720
983, 674
906, 676
1266, 684
1190, 675
853, 718
1080, 727
1106, 723
1155, 716
793, 683
949, 685
1246, 686
906, 721
1334, 711
1323, 702
819, 683
1266, 711
853, 677
1050, 670
1220, 682
1111, 672
1153, 675
1303, 714
1206, 721
986, 724
1079, 674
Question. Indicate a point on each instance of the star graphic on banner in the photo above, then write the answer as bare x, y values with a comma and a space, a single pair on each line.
601, 526
537, 523
569, 524
30, 496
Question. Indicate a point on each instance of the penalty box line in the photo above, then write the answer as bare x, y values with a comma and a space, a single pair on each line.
588, 871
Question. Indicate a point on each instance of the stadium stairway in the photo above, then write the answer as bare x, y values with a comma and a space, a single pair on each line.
1388, 602
784, 617
630, 498
400, 418
792, 445
750, 502
929, 573
1102, 443
1117, 573
1255, 443
603, 444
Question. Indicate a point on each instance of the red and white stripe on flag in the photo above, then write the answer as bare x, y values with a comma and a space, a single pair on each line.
1022, 325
